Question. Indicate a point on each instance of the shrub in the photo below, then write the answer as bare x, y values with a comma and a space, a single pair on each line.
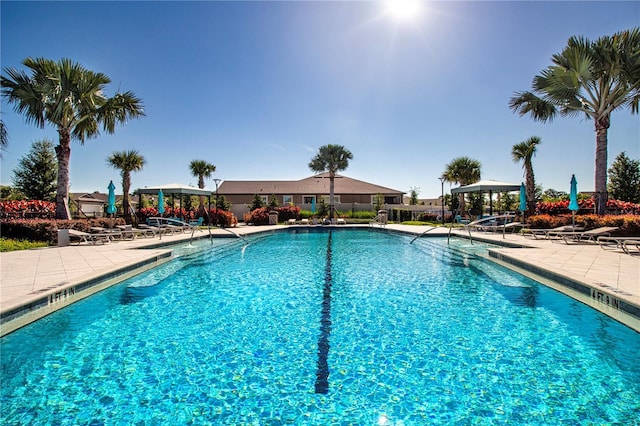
629, 224
47, 229
586, 207
287, 212
364, 214
259, 216
428, 217
33, 209
222, 217
546, 221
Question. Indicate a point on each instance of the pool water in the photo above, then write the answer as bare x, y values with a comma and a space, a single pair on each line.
340, 327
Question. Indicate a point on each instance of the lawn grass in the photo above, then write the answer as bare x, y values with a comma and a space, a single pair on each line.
8, 244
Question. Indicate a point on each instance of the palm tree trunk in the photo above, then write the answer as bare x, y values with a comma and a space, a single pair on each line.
601, 165
201, 210
63, 153
126, 185
530, 190
331, 183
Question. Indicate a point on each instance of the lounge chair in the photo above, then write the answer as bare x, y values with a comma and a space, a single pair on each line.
490, 223
574, 237
626, 244
291, 222
340, 221
304, 222
197, 222
544, 233
85, 237
129, 232
462, 221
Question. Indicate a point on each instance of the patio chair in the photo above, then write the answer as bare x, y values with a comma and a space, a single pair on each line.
544, 233
574, 237
623, 243
291, 222
85, 237
198, 222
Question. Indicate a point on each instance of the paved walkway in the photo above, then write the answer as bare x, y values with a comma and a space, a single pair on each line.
31, 275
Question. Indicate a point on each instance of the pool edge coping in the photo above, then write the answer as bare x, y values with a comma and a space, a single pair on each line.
38, 306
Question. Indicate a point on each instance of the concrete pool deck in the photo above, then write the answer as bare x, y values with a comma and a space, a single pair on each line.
33, 279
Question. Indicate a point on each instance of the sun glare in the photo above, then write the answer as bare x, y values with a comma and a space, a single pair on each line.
403, 9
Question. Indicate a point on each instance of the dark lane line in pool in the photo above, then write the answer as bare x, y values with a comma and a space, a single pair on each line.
322, 373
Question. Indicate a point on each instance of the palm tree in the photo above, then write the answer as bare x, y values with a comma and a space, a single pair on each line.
590, 78
525, 151
69, 97
331, 158
201, 169
127, 162
462, 171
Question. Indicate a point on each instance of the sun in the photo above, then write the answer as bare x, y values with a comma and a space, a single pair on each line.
403, 9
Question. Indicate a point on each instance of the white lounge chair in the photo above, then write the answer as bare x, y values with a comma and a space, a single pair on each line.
544, 233
574, 237
85, 237
626, 244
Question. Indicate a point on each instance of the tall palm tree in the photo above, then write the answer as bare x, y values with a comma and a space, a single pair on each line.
525, 151
201, 169
127, 162
331, 158
593, 78
462, 171
69, 97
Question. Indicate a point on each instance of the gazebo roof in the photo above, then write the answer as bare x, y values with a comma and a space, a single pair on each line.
174, 188
487, 186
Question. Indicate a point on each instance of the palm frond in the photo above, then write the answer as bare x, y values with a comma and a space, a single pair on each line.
528, 103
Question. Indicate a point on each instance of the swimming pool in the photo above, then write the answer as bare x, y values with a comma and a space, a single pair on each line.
353, 327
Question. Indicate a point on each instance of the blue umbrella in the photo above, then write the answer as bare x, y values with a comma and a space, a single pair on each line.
313, 205
160, 202
573, 198
111, 199
523, 198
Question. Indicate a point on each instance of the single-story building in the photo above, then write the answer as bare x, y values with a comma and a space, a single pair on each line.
94, 204
349, 194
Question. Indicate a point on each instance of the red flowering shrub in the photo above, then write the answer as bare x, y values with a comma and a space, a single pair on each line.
546, 221
259, 216
28, 209
287, 212
222, 218
47, 229
587, 206
629, 225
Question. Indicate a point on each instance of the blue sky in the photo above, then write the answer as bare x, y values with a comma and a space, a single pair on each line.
257, 87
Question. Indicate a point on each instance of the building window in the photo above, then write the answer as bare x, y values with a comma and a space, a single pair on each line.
265, 199
308, 199
336, 199
287, 199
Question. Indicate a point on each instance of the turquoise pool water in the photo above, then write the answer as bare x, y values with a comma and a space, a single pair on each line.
347, 327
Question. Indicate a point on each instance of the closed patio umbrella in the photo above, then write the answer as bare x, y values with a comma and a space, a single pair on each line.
313, 205
573, 199
523, 200
111, 199
160, 202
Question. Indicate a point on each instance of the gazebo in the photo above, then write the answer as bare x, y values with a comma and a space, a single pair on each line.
489, 186
173, 189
